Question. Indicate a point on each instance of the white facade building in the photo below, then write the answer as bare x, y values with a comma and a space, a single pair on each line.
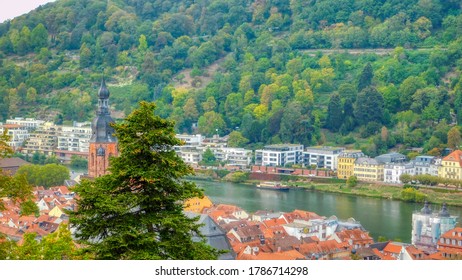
18, 135
279, 155
426, 165
393, 171
322, 156
419, 166
191, 140
320, 228
74, 138
42, 140
189, 154
233, 156
28, 123
427, 227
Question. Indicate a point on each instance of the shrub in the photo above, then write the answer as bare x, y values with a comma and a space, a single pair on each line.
352, 181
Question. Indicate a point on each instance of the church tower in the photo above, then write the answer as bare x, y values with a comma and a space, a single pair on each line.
103, 144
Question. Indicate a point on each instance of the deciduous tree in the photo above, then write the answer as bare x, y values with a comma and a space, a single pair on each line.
16, 188
48, 175
454, 138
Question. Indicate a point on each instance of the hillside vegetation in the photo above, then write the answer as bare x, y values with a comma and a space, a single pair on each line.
370, 74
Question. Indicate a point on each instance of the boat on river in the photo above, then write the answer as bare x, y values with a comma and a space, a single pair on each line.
277, 186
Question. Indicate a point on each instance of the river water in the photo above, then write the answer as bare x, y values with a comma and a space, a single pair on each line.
381, 217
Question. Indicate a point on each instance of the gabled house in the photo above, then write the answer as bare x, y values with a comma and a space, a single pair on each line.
355, 238
451, 166
412, 253
233, 210
197, 204
299, 215
214, 235
43, 205
247, 233
325, 250
249, 254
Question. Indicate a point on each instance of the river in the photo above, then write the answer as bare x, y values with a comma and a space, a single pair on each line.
381, 217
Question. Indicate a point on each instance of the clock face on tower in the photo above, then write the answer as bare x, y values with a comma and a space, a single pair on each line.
103, 144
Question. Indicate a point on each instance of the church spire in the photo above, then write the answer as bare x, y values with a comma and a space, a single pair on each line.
103, 99
103, 144
101, 128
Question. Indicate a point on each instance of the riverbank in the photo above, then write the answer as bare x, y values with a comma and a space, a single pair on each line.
435, 196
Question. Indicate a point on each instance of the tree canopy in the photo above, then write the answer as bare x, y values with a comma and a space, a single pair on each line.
48, 175
14, 187
219, 65
135, 212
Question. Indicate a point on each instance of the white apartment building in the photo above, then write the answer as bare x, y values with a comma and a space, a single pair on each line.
320, 228
18, 135
426, 165
74, 138
189, 154
393, 171
322, 156
418, 166
42, 140
28, 123
191, 140
233, 156
279, 155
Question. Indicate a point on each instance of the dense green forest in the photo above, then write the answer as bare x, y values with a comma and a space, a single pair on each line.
263, 70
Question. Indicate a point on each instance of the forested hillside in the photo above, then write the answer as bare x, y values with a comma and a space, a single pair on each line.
261, 70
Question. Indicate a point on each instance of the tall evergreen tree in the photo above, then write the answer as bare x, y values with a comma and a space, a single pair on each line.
135, 212
334, 113
348, 117
369, 106
365, 79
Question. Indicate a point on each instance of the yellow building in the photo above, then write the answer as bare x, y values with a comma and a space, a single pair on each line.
451, 166
56, 212
368, 169
346, 161
196, 204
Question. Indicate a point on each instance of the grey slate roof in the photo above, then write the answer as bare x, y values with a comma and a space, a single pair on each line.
214, 235
12, 162
391, 157
364, 161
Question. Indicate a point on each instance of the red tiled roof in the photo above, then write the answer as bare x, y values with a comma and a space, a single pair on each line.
415, 253
9, 231
392, 248
301, 215
274, 222
446, 254
454, 156
383, 256
286, 255
357, 236
322, 247
11, 126
455, 233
